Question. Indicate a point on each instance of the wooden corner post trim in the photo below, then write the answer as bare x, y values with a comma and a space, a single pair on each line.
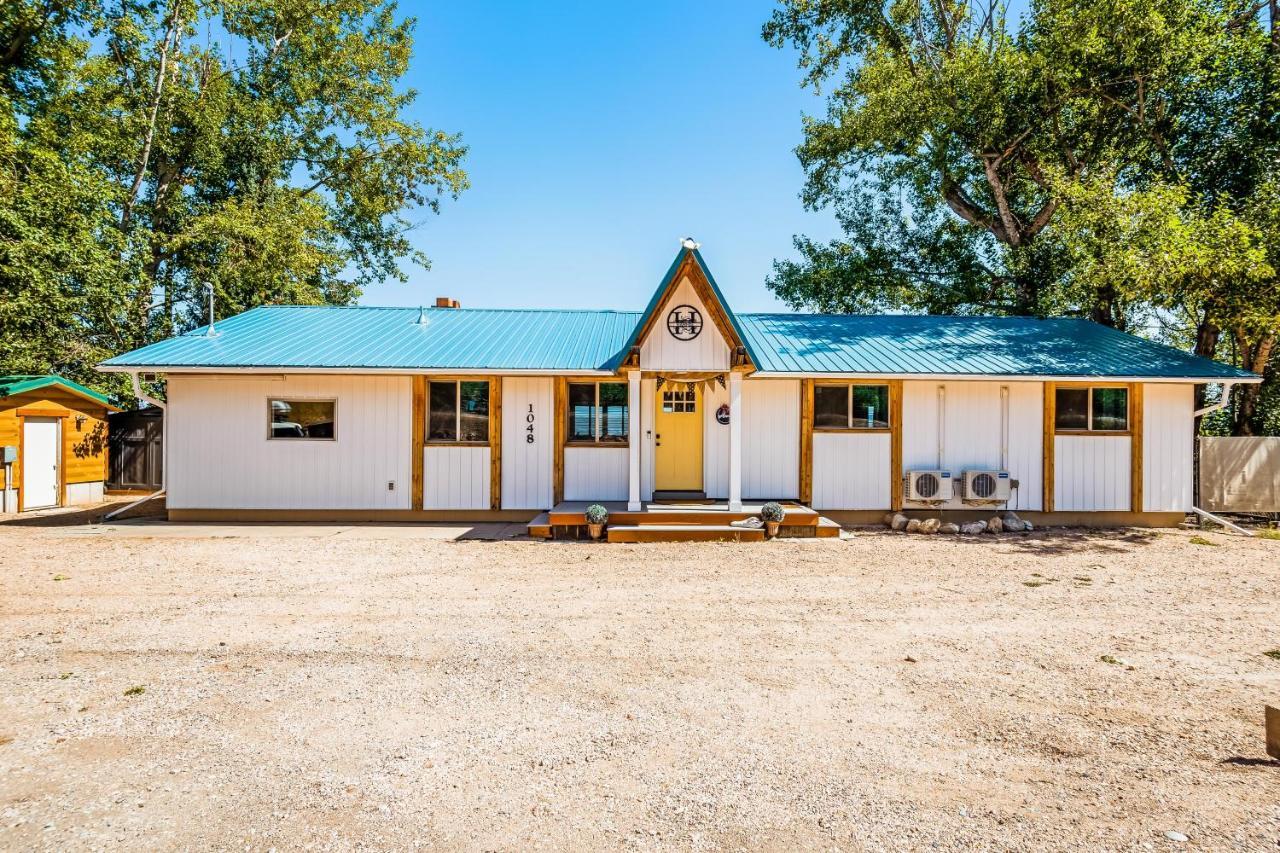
1048, 446
419, 433
895, 444
495, 443
1135, 446
560, 405
806, 441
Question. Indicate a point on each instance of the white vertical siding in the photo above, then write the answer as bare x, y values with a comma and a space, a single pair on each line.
660, 351
770, 438
595, 473
1091, 473
219, 455
1167, 447
455, 477
972, 431
527, 467
715, 445
851, 470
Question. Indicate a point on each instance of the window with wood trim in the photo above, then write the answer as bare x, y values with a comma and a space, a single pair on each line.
850, 407
1091, 409
458, 411
599, 413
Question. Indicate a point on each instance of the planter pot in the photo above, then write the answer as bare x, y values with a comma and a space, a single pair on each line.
771, 528
596, 530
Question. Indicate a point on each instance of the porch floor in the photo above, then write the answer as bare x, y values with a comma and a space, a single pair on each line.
678, 522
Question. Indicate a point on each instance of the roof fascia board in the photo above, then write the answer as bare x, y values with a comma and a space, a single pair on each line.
373, 371
1005, 377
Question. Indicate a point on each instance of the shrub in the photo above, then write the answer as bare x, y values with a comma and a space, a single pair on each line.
597, 514
772, 511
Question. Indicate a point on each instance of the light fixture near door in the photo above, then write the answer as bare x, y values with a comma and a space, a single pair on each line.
684, 322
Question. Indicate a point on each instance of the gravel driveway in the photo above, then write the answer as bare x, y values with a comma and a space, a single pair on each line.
1054, 691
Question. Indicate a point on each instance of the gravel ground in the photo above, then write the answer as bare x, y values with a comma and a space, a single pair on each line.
1059, 691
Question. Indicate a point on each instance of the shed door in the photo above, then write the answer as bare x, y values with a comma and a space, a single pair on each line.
39, 462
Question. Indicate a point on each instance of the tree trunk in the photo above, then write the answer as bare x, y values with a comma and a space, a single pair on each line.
1255, 356
1207, 336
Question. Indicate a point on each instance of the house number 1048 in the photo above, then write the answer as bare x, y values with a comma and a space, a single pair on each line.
528, 430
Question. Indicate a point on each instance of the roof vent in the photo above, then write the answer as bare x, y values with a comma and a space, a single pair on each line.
446, 302
689, 243
422, 316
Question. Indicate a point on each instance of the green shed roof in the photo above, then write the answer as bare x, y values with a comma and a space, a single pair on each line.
12, 385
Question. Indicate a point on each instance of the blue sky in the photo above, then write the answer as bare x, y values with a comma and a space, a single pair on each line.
600, 134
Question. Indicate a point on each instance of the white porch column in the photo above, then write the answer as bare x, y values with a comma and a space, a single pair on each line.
633, 440
735, 441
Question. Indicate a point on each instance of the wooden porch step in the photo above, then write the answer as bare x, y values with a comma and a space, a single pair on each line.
540, 527
683, 533
796, 516
827, 529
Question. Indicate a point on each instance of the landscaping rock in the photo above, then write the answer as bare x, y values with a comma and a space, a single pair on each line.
995, 525
930, 525
899, 522
973, 527
1012, 523
913, 526
888, 519
949, 527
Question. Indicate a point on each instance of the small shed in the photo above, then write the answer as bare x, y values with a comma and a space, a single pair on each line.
53, 443
136, 450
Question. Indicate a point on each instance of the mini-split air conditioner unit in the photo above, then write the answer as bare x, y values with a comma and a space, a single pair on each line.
928, 486
985, 487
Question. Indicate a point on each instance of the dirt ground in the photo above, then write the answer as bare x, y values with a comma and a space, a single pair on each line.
255, 690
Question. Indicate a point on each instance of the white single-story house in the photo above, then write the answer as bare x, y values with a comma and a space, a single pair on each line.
448, 413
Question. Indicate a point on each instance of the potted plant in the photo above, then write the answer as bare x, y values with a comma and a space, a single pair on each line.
772, 513
597, 517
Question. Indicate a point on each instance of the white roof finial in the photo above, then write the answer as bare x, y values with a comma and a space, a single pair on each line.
689, 243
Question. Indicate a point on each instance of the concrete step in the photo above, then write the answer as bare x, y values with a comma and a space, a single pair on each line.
682, 533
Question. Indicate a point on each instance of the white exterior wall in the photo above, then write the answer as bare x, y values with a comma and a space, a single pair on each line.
715, 445
770, 438
851, 471
1091, 473
660, 351
596, 473
527, 467
971, 433
219, 456
1168, 447
84, 493
455, 477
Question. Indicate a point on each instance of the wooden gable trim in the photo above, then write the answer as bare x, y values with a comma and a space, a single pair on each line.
698, 280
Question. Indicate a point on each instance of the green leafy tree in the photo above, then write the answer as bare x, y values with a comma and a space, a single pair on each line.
149, 149
1107, 160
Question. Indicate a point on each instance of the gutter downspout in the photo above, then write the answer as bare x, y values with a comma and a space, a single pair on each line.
143, 397
1221, 404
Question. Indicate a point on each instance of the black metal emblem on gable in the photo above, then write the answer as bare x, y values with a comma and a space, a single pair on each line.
684, 322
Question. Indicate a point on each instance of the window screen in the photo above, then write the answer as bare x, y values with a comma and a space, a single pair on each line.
870, 406
615, 416
302, 419
442, 418
831, 406
1110, 409
582, 406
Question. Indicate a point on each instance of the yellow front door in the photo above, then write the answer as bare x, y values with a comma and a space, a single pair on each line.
677, 438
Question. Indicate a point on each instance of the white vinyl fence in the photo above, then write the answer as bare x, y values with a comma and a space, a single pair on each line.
1240, 474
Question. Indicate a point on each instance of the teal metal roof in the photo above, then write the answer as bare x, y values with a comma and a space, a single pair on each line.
315, 337
305, 336
964, 346
11, 385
